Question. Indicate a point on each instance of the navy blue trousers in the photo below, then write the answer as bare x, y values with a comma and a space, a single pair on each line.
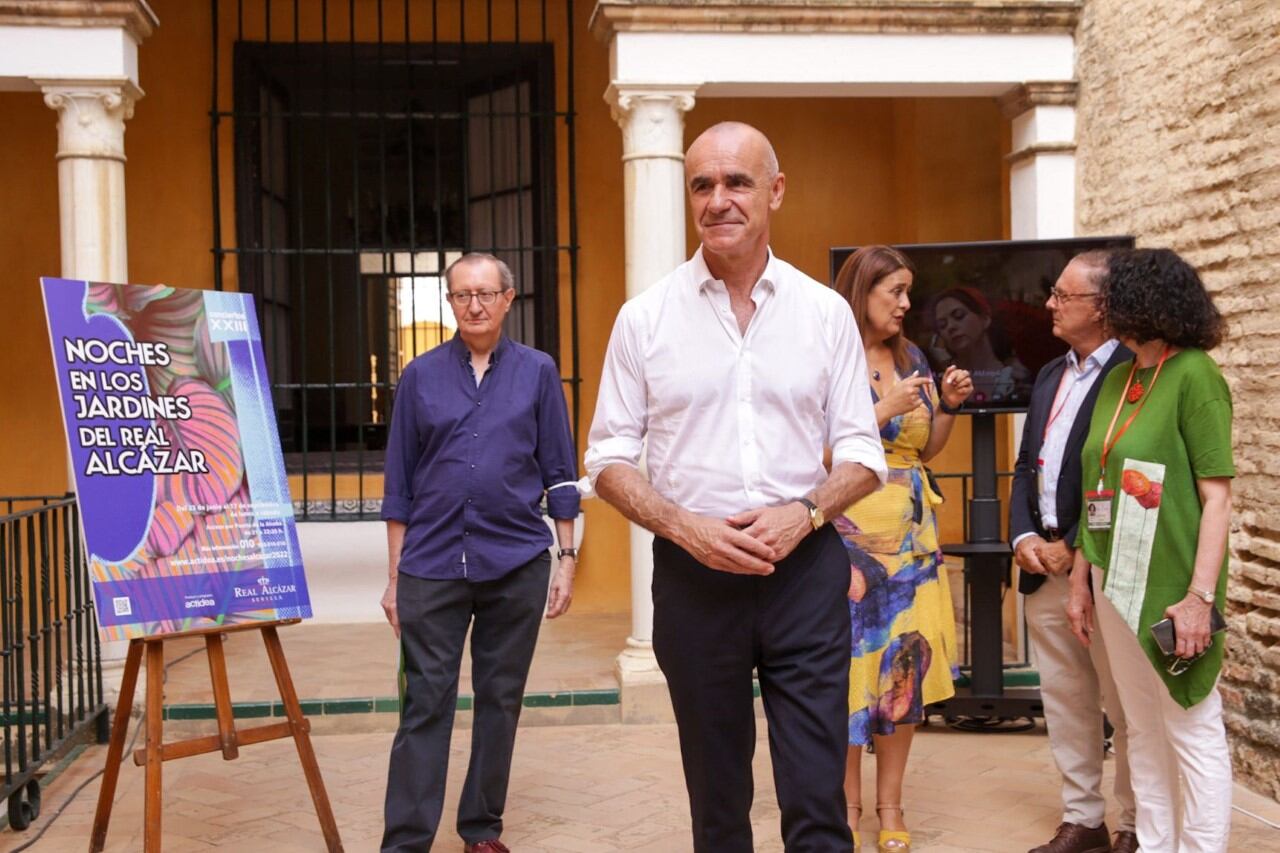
711, 629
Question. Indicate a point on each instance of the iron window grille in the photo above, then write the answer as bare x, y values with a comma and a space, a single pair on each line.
362, 169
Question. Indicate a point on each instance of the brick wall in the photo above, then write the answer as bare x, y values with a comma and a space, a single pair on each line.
1179, 144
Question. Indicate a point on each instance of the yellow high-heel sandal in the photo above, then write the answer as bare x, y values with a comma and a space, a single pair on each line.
892, 840
854, 820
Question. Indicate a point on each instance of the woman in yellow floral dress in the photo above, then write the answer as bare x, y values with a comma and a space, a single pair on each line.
903, 644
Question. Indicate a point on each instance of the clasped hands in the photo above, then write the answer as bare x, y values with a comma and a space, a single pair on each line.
749, 543
1037, 556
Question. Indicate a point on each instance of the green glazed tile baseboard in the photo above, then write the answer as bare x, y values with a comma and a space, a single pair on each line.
1013, 677
377, 705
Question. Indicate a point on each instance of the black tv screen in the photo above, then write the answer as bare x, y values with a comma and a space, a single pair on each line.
982, 306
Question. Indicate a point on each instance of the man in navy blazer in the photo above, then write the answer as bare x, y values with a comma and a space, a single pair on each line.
1075, 682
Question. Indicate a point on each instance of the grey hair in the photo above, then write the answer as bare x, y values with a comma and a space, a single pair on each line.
1097, 261
504, 271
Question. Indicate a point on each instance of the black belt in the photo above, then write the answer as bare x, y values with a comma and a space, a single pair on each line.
1052, 534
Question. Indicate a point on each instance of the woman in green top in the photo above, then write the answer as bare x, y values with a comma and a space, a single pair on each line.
1157, 469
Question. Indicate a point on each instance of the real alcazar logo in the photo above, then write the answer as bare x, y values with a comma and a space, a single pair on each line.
265, 590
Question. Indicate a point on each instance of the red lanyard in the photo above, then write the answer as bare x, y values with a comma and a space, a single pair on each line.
1108, 443
1056, 408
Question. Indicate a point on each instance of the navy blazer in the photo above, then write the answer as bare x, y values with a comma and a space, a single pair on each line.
1024, 503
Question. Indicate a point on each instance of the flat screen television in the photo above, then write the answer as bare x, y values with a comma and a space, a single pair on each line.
982, 306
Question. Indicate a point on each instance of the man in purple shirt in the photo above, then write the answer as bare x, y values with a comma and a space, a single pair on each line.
479, 434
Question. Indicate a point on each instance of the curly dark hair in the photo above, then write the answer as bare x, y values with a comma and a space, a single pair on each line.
1153, 294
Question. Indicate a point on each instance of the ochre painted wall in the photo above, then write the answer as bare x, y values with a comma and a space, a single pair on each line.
33, 456
864, 170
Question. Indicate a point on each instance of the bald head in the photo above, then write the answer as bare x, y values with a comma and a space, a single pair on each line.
734, 188
737, 136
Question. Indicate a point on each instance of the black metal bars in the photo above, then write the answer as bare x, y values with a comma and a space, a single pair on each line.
374, 143
52, 695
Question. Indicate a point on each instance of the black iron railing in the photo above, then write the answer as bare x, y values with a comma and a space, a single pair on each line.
52, 695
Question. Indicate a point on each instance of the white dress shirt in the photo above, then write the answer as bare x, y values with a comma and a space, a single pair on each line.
734, 422
1073, 387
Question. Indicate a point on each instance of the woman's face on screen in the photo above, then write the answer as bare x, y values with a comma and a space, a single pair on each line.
959, 326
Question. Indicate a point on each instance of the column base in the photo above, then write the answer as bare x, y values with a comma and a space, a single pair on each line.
642, 690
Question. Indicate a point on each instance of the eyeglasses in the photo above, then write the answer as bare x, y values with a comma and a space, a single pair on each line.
462, 298
1064, 297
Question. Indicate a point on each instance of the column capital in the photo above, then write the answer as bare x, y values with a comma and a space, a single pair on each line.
651, 116
91, 115
1046, 93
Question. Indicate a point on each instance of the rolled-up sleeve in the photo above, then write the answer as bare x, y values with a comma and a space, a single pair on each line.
402, 452
556, 460
617, 430
852, 433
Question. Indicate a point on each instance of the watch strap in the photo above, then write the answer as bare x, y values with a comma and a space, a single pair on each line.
567, 552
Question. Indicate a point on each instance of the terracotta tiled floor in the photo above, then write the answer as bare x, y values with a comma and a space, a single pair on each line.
573, 788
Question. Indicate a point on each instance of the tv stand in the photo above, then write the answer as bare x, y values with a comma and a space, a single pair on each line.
987, 563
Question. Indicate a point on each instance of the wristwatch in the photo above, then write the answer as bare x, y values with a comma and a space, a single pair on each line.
567, 552
1206, 597
815, 515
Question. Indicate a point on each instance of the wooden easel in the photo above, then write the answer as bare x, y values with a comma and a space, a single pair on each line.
227, 741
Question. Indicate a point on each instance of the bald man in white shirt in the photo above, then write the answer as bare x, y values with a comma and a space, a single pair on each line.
739, 370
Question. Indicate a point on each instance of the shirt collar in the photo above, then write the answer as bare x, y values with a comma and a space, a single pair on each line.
464, 355
704, 280
1098, 358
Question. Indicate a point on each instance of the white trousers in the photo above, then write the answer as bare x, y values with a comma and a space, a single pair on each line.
1177, 756
1076, 686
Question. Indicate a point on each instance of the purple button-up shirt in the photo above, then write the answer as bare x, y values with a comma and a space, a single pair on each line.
467, 466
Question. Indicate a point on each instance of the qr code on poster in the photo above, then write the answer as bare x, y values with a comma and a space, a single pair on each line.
122, 605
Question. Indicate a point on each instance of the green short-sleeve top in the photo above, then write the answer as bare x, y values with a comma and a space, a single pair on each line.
1182, 434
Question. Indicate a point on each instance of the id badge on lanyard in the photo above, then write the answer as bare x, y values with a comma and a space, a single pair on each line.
1098, 505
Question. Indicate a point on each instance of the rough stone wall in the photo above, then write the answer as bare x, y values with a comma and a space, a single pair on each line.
1179, 144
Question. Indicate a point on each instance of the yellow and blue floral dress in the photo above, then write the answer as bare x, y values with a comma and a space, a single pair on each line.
903, 633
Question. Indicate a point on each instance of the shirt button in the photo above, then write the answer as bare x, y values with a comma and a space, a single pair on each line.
466, 533
473, 466
475, 435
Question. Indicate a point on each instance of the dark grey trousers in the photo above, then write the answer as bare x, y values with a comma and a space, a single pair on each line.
434, 616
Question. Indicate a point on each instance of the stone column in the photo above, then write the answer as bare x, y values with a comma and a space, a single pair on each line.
91, 117
1042, 165
1042, 188
652, 122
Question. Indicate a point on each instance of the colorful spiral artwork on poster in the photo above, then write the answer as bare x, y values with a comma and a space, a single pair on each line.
184, 501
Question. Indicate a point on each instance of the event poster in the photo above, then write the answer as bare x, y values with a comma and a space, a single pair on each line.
184, 502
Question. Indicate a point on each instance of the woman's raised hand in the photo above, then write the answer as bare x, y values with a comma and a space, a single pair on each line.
957, 386
904, 396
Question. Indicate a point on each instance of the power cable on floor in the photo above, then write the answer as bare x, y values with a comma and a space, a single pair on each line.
127, 752
1259, 818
